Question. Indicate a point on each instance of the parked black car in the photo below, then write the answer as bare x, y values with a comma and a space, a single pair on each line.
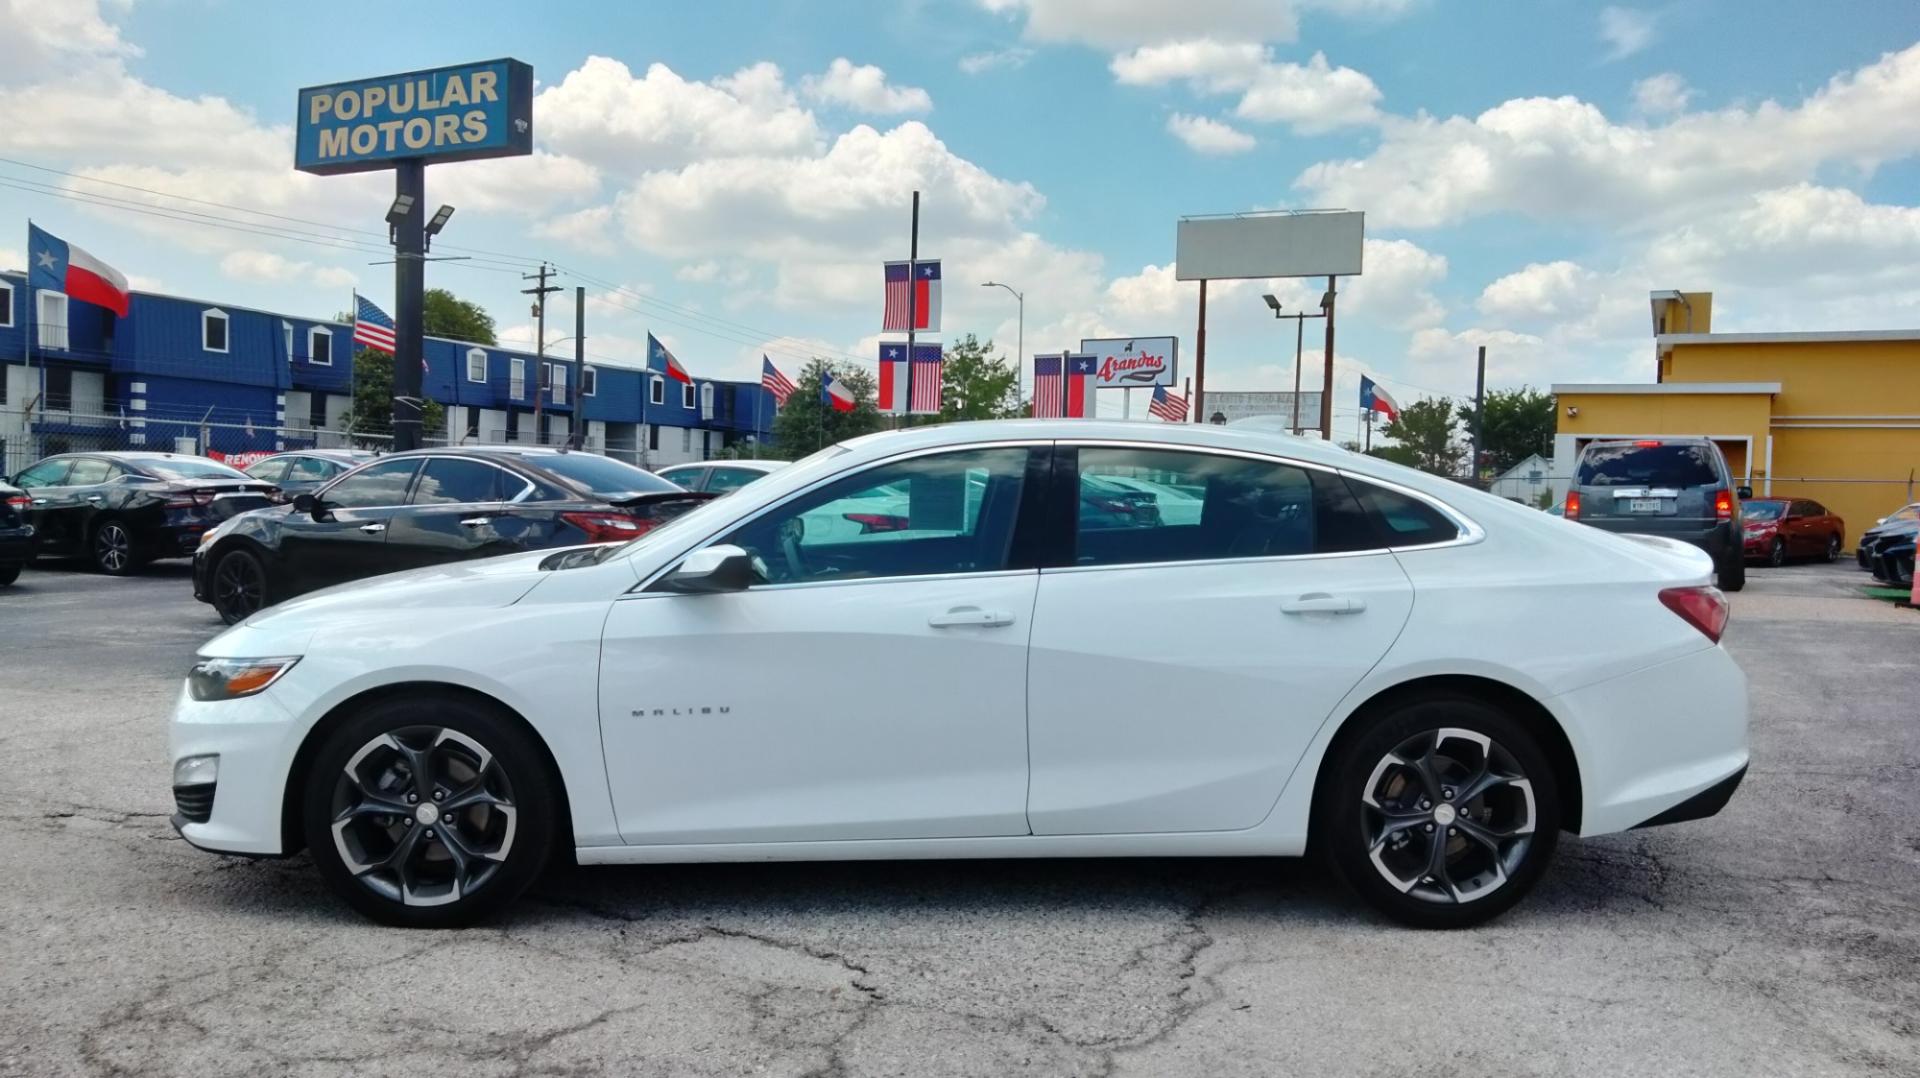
302, 471
120, 510
1904, 521
1679, 488
427, 506
16, 535
1890, 557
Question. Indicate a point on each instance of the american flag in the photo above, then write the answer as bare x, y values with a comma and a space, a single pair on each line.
1063, 386
774, 382
1167, 406
371, 326
917, 283
926, 380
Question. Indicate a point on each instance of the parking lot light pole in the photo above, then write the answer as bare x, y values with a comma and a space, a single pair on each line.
1020, 335
1299, 344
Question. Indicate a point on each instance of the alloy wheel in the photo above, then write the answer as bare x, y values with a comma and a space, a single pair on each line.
423, 816
239, 587
112, 547
1777, 553
1833, 547
1448, 816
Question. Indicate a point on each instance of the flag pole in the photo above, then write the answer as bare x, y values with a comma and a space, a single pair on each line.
913, 311
756, 414
29, 322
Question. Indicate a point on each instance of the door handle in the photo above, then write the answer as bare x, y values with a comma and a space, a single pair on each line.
1320, 602
373, 529
962, 616
476, 522
39, 501
95, 498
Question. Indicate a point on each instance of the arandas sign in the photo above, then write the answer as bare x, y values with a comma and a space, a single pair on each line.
1133, 362
448, 114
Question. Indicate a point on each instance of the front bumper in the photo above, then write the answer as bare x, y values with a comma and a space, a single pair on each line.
1758, 544
255, 738
202, 588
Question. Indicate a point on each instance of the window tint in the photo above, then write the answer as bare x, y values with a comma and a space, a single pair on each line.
949, 513
384, 483
686, 477
87, 471
725, 479
448, 479
1768, 510
1403, 521
601, 476
310, 469
1629, 464
47, 473
271, 470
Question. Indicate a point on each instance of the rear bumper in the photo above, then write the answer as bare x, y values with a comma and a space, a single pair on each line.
1707, 802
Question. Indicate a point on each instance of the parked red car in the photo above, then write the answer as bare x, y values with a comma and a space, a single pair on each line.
1782, 528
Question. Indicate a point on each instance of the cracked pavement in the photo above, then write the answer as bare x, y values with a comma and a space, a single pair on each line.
1780, 938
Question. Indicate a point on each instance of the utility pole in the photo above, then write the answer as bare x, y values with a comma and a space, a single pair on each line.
576, 437
913, 313
1326, 388
1479, 414
1200, 357
408, 223
539, 293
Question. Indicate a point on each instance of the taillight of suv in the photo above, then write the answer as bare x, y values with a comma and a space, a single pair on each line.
1723, 505
1702, 607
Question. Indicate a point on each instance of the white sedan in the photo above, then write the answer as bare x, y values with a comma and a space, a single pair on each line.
1426, 682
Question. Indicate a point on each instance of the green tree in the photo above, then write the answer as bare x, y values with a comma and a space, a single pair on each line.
1398, 454
373, 397
976, 384
447, 315
804, 424
1519, 423
1428, 430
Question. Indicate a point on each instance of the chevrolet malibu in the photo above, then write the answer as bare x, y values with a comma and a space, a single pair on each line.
1327, 650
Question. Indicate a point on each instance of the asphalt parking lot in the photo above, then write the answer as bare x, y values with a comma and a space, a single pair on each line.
1780, 938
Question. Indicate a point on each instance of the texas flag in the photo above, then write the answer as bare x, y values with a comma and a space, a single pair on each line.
60, 266
834, 392
1375, 399
659, 359
893, 378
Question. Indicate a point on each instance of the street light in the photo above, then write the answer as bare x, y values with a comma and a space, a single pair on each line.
1299, 340
1020, 338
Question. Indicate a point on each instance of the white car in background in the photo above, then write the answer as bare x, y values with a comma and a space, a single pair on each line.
719, 476
1328, 648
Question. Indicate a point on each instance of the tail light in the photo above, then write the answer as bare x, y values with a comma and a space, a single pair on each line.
877, 522
1573, 505
191, 499
20, 501
608, 527
1723, 505
1703, 607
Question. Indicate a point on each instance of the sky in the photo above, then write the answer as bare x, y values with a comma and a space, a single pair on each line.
729, 177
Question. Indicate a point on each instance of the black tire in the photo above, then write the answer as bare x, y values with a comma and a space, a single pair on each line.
238, 584
111, 548
1777, 552
1733, 573
8, 574
1833, 549
506, 849
1362, 766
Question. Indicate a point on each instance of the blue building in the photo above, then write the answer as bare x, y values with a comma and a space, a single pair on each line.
199, 376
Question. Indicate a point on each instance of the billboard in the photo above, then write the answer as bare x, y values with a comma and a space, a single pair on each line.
447, 114
1236, 405
1133, 362
1311, 243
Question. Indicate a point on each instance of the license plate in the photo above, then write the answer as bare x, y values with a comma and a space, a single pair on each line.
1643, 505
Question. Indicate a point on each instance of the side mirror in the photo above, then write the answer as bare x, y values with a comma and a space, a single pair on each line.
308, 504
1745, 492
720, 568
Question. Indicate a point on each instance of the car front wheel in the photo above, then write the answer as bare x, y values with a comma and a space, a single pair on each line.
1441, 813
1777, 553
1833, 548
113, 548
425, 812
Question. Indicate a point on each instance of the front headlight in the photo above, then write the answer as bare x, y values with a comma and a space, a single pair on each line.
230, 679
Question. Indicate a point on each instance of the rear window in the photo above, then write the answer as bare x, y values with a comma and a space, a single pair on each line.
600, 476
191, 469
1625, 464
1762, 510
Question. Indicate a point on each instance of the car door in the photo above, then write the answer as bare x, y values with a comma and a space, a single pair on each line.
1184, 655
345, 536
874, 687
45, 485
457, 511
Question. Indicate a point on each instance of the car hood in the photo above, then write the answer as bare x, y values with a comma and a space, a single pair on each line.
486, 583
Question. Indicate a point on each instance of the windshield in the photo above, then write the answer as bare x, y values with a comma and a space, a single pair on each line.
602, 476
1905, 512
1630, 464
188, 468
1762, 510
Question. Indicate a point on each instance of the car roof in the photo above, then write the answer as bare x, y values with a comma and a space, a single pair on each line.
330, 454
1198, 435
750, 465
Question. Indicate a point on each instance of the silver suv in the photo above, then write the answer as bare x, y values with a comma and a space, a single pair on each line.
1674, 487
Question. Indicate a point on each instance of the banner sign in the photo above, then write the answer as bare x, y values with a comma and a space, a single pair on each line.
447, 114
1133, 362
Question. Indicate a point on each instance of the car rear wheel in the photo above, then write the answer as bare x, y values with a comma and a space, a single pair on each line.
113, 548
425, 812
239, 586
1833, 548
1777, 553
1733, 573
8, 574
1441, 813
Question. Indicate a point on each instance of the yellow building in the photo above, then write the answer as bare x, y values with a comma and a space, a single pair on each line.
1830, 416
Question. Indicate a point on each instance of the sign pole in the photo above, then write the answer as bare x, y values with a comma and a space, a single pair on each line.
1299, 339
1196, 398
1326, 388
409, 299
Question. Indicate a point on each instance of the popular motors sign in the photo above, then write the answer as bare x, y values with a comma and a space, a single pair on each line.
447, 114
1133, 362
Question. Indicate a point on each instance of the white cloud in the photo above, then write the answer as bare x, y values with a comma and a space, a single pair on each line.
251, 265
38, 40
13, 259
1561, 159
1207, 136
602, 113
1314, 97
864, 88
1626, 30
1540, 291
591, 229
1397, 287
1658, 95
1124, 23
978, 63
1214, 66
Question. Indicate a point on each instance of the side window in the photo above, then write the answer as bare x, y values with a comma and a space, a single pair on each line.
686, 477
47, 473
311, 470
1403, 521
87, 471
1154, 505
724, 479
271, 470
948, 513
384, 483
449, 479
